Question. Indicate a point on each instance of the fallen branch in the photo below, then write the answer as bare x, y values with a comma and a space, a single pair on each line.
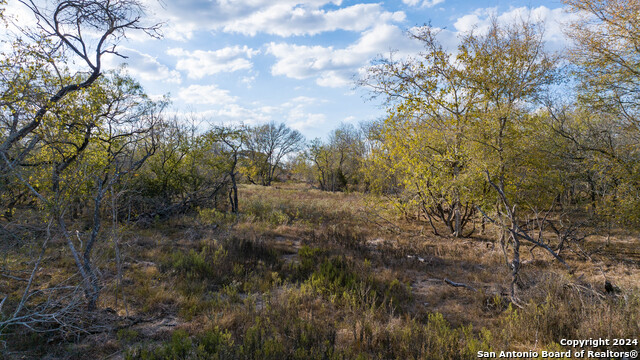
455, 284
14, 277
579, 288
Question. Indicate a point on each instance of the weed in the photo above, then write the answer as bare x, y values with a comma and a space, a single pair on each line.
215, 216
127, 335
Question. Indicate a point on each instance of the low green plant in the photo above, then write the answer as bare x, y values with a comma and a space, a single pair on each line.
213, 216
127, 335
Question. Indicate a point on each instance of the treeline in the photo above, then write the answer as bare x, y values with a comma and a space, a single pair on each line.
191, 168
499, 121
500, 118
502, 131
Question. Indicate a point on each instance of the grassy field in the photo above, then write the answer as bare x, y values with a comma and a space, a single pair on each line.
305, 274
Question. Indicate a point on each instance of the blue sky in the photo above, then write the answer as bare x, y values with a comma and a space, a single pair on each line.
294, 61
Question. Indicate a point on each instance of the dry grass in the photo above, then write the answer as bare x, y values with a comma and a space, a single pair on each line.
309, 274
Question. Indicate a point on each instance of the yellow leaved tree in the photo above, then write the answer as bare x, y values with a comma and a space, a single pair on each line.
466, 130
606, 57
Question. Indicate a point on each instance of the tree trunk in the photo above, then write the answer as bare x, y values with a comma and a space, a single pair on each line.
458, 228
515, 268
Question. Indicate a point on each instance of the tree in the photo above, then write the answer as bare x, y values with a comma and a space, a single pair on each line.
346, 142
189, 170
267, 145
228, 145
508, 69
60, 33
606, 55
88, 143
607, 51
461, 127
324, 163
430, 111
338, 163
377, 164
64, 136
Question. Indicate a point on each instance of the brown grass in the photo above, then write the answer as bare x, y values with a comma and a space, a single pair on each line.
308, 273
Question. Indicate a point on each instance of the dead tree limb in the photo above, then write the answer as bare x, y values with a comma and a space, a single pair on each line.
516, 234
455, 284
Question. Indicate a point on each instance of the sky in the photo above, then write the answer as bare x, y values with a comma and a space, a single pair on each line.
294, 61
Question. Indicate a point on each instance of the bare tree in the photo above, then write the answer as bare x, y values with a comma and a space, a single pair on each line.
267, 145
510, 223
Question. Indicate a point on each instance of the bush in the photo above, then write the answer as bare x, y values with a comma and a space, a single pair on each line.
214, 216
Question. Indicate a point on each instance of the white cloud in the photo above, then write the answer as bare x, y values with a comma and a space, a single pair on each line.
201, 63
205, 94
469, 22
268, 109
294, 113
18, 14
283, 17
554, 21
300, 120
334, 79
350, 119
230, 114
336, 67
302, 101
425, 3
142, 66
284, 20
432, 3
240, 114
306, 100
298, 61
248, 81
